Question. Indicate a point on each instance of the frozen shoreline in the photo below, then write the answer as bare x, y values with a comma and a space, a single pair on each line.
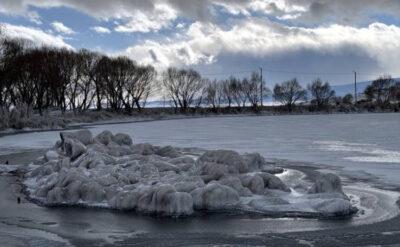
379, 228
123, 119
291, 232
109, 171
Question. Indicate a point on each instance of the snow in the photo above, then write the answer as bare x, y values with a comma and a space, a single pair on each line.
109, 170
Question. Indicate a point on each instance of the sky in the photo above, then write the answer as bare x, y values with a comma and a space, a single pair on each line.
287, 38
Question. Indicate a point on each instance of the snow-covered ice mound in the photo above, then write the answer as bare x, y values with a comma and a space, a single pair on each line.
110, 171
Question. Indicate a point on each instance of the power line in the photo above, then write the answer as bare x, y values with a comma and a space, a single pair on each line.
229, 73
280, 72
306, 72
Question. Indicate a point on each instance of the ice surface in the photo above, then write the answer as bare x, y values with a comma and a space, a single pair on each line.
361, 152
370, 141
110, 171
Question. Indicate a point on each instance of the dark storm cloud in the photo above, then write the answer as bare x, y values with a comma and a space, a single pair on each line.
345, 11
304, 11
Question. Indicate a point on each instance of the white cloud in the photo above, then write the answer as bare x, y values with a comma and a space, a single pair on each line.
180, 25
134, 15
139, 21
34, 35
99, 29
61, 28
203, 43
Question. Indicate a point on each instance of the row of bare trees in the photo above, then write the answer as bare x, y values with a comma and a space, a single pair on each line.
235, 92
186, 88
291, 92
382, 92
42, 77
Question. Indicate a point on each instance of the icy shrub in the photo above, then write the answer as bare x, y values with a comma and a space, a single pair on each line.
215, 196
272, 182
254, 183
231, 161
327, 183
83, 136
254, 161
110, 171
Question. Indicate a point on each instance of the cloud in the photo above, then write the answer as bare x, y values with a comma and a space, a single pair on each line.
161, 17
99, 29
210, 32
16, 7
205, 43
34, 35
165, 55
61, 28
154, 15
347, 12
133, 15
326, 11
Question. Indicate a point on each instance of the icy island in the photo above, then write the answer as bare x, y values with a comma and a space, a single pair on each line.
110, 171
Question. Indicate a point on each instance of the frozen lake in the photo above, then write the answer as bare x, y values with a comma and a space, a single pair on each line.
368, 142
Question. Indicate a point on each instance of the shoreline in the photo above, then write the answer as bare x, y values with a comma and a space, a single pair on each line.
140, 119
381, 232
120, 232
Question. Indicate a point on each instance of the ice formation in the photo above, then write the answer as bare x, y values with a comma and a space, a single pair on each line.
110, 171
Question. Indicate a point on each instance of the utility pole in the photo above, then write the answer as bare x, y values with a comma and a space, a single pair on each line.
261, 87
355, 87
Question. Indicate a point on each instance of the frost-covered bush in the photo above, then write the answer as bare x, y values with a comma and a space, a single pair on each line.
4, 118
16, 117
22, 116
111, 171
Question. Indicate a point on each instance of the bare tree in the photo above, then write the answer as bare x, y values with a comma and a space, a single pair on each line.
2, 69
36, 63
139, 86
99, 78
183, 87
113, 73
289, 93
214, 94
251, 89
395, 92
12, 51
227, 94
20, 74
321, 93
380, 90
85, 64
238, 94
